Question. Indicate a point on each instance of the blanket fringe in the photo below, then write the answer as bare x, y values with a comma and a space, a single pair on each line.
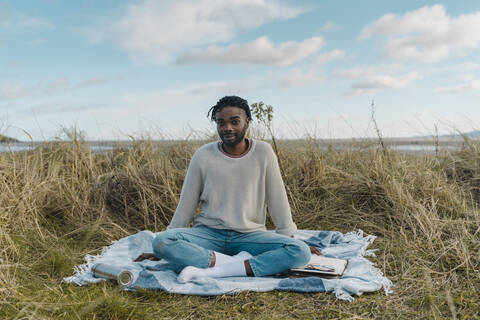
341, 294
386, 283
382, 281
82, 271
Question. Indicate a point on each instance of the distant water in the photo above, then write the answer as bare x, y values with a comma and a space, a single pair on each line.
18, 147
413, 148
405, 148
15, 147
420, 147
97, 148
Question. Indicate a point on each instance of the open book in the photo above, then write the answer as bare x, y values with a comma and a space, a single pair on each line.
323, 267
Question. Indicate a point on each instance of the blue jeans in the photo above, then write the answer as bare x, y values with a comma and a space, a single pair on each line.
272, 253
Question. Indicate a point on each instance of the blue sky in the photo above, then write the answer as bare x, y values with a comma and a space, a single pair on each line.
120, 68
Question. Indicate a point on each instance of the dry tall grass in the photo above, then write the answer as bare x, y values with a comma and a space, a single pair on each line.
62, 200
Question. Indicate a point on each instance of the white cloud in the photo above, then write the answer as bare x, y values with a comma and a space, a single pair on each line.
470, 84
329, 26
299, 78
14, 22
428, 34
158, 30
259, 51
371, 84
93, 81
53, 107
190, 94
96, 81
469, 66
13, 91
57, 85
466, 77
372, 78
358, 72
336, 54
463, 67
10, 91
27, 22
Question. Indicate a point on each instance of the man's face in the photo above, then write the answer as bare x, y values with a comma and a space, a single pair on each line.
232, 125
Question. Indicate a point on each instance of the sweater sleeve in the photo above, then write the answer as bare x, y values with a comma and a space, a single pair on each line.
189, 196
276, 197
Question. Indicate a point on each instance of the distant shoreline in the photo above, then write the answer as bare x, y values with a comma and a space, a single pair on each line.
5, 139
449, 139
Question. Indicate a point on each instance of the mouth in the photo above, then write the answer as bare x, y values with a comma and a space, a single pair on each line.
229, 136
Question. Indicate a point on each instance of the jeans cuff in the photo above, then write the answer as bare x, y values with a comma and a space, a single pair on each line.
209, 259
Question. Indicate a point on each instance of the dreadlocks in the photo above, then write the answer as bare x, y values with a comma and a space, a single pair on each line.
229, 101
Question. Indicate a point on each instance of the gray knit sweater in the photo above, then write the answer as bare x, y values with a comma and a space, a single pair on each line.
234, 192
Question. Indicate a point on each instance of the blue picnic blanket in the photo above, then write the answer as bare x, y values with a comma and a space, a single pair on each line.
361, 275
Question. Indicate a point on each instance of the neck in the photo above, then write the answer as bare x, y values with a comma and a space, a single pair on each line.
236, 150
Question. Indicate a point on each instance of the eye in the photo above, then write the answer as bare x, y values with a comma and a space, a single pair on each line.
234, 122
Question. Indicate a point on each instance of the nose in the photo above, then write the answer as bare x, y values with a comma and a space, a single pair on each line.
228, 127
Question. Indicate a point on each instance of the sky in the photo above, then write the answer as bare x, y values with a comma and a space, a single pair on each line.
121, 69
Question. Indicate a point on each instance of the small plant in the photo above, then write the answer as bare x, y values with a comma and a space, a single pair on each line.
264, 114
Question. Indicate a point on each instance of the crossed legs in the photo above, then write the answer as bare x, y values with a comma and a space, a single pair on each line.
204, 251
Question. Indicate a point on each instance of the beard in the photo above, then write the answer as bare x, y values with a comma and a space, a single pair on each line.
238, 137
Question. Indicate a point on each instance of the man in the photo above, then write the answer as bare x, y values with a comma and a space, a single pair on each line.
234, 180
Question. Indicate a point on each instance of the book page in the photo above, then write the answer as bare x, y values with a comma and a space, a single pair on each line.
321, 264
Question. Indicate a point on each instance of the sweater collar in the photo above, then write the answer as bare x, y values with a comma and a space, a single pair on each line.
250, 143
